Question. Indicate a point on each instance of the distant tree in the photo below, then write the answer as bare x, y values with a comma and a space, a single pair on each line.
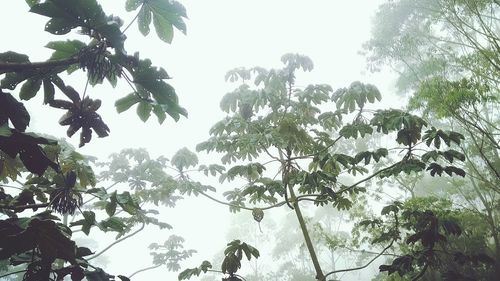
448, 56
285, 144
49, 178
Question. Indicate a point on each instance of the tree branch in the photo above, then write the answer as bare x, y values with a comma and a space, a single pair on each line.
34, 66
24, 207
118, 241
144, 269
363, 266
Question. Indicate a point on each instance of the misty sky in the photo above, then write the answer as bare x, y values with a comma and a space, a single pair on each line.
222, 34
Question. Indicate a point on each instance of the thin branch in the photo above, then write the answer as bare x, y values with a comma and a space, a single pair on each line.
367, 178
239, 206
144, 269
133, 20
118, 241
369, 252
363, 266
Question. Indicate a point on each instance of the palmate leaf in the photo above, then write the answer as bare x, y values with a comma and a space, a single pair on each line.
190, 272
151, 85
165, 15
87, 14
357, 95
355, 129
27, 146
184, 158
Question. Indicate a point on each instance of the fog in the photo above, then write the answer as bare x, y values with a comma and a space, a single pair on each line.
222, 35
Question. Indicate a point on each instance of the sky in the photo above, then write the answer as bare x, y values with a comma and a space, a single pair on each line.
222, 35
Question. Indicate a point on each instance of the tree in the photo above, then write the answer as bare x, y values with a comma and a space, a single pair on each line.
52, 176
447, 55
284, 146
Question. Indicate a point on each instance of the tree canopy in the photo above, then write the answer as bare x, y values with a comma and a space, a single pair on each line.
415, 190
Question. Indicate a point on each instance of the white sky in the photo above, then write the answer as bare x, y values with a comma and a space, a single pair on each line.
222, 34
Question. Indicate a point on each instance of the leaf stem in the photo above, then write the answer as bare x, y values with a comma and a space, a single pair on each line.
133, 20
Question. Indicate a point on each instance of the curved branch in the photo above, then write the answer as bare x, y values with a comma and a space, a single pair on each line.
238, 206
367, 178
363, 266
118, 241
133, 20
144, 269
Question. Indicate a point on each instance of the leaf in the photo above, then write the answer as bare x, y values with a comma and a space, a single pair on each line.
65, 49
111, 205
48, 91
166, 15
113, 224
144, 20
160, 113
126, 102
60, 26
30, 88
13, 57
12, 109
184, 158
144, 110
131, 5
83, 252
87, 222
450, 170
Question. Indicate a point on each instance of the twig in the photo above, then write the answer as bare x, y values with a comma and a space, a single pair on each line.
118, 241
363, 266
145, 269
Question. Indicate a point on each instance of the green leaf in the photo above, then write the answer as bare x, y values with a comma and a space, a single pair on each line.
165, 15
126, 102
32, 2
160, 113
131, 5
111, 205
48, 91
60, 26
87, 222
163, 28
184, 158
29, 89
144, 20
144, 110
11, 108
65, 49
13, 57
113, 224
